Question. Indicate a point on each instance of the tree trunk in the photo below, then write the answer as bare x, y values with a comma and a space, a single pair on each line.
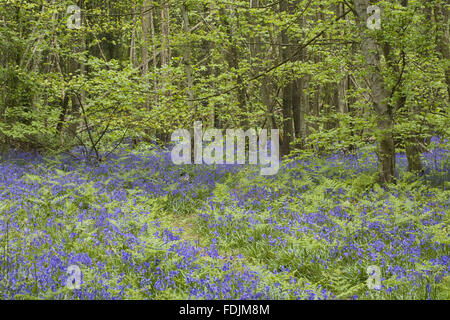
232, 58
442, 15
288, 130
165, 57
370, 50
76, 67
165, 46
145, 60
299, 102
187, 55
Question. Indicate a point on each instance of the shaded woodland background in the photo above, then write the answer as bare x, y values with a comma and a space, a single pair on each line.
138, 70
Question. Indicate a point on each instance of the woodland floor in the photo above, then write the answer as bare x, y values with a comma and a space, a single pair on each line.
139, 227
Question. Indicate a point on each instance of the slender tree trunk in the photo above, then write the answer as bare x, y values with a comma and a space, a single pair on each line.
370, 50
288, 129
133, 55
299, 102
62, 113
232, 57
299, 110
287, 119
165, 56
187, 55
155, 63
257, 59
145, 60
76, 67
165, 29
442, 15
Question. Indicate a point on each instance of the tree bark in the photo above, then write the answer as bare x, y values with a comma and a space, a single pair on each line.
288, 129
76, 67
442, 15
299, 102
165, 29
380, 96
187, 55
232, 58
145, 26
